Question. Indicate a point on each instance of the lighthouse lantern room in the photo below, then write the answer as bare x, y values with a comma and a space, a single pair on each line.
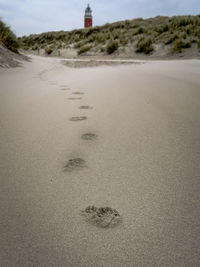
88, 17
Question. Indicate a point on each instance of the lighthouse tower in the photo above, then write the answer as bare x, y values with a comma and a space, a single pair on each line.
88, 17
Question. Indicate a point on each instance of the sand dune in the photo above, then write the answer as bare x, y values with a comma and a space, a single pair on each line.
143, 162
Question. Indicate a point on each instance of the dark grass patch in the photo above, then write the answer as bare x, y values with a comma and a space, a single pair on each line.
104, 217
74, 164
112, 46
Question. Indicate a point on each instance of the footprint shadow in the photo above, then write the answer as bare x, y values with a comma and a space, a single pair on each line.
74, 98
78, 93
89, 136
85, 107
80, 118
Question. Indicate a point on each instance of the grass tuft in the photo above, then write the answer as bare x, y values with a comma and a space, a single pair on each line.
112, 47
179, 45
84, 49
144, 46
48, 50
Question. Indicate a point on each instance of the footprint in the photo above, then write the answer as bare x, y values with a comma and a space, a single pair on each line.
74, 98
89, 136
65, 88
81, 118
105, 217
85, 107
78, 93
74, 164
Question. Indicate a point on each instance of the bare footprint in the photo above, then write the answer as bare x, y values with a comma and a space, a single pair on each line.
105, 217
74, 164
65, 88
74, 98
85, 107
78, 93
81, 118
89, 136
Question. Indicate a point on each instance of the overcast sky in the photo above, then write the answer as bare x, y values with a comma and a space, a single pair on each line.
36, 16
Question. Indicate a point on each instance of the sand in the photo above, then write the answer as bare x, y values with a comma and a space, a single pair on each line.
144, 164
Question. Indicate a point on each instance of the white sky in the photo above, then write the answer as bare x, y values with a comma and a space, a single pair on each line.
36, 16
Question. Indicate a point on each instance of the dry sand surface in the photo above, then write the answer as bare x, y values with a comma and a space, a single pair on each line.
143, 160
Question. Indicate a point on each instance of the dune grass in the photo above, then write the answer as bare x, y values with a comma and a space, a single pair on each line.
112, 47
176, 33
84, 49
144, 46
8, 38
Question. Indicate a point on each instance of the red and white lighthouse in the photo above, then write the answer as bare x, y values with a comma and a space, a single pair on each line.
88, 17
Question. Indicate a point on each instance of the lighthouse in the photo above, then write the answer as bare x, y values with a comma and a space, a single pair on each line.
88, 17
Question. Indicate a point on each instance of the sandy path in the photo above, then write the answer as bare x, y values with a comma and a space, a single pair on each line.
144, 163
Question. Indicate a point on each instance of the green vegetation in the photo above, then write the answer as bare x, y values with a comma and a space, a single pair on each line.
8, 38
171, 39
179, 45
84, 49
144, 35
48, 50
111, 47
144, 46
198, 44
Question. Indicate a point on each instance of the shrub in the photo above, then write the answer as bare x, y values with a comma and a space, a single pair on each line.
48, 50
100, 38
116, 34
162, 29
123, 40
8, 38
179, 45
89, 32
84, 49
79, 44
91, 38
112, 46
141, 30
171, 39
183, 22
188, 30
144, 46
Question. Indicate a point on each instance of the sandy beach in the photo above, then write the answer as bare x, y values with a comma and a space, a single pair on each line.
143, 160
